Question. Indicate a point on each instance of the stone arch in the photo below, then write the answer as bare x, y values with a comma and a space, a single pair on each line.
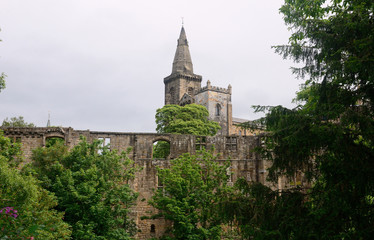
51, 140
161, 148
59, 134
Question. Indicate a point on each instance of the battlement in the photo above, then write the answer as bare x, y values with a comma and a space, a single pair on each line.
209, 87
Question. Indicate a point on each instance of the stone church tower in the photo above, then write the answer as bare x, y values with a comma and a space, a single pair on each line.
182, 80
184, 87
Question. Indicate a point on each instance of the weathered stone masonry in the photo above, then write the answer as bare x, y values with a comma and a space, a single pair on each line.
236, 149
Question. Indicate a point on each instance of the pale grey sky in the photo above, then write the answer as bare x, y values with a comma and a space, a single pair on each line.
100, 65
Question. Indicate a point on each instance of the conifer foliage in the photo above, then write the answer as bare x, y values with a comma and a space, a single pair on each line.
329, 136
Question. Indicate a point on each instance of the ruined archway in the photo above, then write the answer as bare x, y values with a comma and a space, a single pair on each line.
54, 140
161, 149
53, 136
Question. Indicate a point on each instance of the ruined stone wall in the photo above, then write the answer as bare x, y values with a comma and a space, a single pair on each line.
236, 149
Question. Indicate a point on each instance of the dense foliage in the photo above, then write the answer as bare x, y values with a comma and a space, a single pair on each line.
192, 189
261, 213
329, 135
161, 150
16, 122
90, 184
26, 209
189, 119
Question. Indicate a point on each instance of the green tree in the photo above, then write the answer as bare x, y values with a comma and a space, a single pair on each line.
192, 190
2, 81
161, 149
189, 119
16, 122
261, 213
10, 150
54, 140
26, 209
91, 185
330, 135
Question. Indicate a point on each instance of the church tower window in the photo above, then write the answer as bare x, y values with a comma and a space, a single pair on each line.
218, 109
190, 91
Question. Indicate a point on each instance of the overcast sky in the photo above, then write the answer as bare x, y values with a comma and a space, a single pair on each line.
100, 65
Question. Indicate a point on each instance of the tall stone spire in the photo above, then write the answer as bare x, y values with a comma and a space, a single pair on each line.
182, 82
182, 60
49, 119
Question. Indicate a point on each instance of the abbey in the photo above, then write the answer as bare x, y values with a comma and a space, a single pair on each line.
183, 87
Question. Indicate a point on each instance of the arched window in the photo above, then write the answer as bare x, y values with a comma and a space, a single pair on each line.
161, 150
153, 228
218, 109
51, 141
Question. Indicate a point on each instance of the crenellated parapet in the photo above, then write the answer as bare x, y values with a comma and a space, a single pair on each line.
209, 87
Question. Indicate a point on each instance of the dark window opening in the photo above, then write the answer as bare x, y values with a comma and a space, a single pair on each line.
15, 139
153, 228
218, 110
200, 143
160, 184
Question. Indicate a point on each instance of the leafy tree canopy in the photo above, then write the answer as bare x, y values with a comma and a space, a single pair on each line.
31, 205
192, 190
16, 122
161, 150
10, 150
90, 183
189, 119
